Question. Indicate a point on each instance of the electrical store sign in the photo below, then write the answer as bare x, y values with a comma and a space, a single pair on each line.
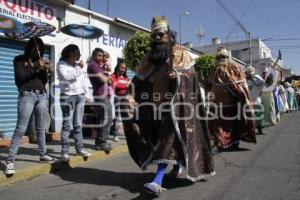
28, 10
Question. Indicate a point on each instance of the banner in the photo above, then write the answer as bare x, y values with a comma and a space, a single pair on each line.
28, 10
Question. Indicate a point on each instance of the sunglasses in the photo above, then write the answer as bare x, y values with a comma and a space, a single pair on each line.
223, 57
158, 34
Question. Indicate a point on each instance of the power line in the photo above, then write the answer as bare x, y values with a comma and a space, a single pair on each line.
247, 9
228, 36
280, 39
232, 16
241, 26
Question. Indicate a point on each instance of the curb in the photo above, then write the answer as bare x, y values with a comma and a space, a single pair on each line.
47, 168
6, 142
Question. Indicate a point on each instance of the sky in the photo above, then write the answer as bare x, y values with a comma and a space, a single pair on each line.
277, 22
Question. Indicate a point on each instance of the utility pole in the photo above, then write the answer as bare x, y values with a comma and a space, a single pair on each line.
107, 8
240, 25
180, 14
179, 29
89, 5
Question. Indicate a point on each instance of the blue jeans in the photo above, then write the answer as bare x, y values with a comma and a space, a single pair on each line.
29, 102
72, 108
103, 119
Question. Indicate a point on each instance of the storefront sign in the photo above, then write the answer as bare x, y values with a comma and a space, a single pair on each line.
28, 10
112, 41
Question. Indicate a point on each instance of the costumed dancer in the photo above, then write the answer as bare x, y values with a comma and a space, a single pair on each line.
283, 95
164, 123
255, 84
230, 105
271, 76
291, 97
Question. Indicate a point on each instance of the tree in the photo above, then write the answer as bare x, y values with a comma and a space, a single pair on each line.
136, 48
204, 65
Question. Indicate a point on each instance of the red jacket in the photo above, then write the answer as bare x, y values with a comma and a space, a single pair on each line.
120, 84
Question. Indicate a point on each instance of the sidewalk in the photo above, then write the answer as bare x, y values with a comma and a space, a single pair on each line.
27, 163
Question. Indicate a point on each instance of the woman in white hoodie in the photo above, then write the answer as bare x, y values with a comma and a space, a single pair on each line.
73, 93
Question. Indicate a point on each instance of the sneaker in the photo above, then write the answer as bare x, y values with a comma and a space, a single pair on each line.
154, 188
116, 139
46, 158
65, 157
104, 147
84, 153
10, 168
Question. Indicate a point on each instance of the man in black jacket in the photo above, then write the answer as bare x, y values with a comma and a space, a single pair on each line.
30, 78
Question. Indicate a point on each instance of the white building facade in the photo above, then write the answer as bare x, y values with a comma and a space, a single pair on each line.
260, 53
57, 13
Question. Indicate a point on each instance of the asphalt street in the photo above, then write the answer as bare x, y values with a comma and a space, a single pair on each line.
269, 170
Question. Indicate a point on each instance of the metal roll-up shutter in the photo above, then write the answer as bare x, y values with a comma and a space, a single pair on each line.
8, 90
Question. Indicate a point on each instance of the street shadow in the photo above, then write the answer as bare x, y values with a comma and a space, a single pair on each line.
260, 134
173, 183
238, 149
34, 152
54, 142
72, 144
2, 163
169, 184
130, 181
